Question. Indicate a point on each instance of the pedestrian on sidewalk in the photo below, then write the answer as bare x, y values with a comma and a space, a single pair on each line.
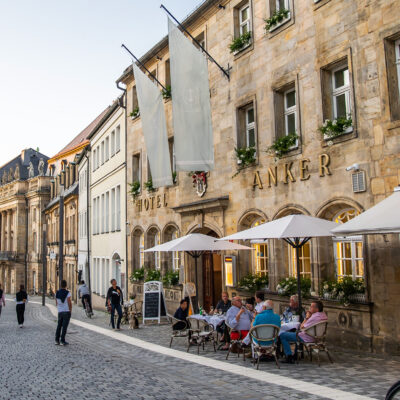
2, 299
64, 307
114, 300
21, 299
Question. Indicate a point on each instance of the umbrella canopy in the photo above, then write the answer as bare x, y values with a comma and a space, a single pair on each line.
291, 226
197, 242
381, 218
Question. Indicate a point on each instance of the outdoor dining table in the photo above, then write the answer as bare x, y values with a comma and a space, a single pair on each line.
213, 320
286, 327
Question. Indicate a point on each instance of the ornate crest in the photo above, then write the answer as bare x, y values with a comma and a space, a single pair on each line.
200, 182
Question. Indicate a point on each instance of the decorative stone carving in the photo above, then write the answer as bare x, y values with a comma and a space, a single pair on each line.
17, 175
41, 167
4, 178
10, 175
31, 170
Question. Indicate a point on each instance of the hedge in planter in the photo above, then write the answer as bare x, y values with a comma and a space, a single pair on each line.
245, 156
171, 278
252, 282
337, 127
137, 275
240, 42
288, 286
152, 275
283, 145
346, 290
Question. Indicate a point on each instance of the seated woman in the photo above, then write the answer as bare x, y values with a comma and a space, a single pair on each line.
181, 313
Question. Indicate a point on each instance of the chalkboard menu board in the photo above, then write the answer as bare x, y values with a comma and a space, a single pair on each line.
153, 301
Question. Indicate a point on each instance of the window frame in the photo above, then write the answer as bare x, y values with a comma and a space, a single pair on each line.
107, 149
336, 92
137, 156
287, 111
117, 139
157, 254
250, 125
245, 22
397, 62
274, 6
292, 261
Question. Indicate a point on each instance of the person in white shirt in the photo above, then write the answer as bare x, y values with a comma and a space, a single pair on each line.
64, 307
259, 302
84, 293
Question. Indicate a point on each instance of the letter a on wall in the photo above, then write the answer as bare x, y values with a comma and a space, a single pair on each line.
194, 147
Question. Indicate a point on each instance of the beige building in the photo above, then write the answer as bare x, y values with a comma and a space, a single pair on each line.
24, 192
329, 66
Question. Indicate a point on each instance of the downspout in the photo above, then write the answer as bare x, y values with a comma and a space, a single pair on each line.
26, 242
124, 106
87, 217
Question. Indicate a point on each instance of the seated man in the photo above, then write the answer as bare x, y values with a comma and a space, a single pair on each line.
316, 314
267, 317
293, 310
181, 313
84, 293
259, 301
239, 319
224, 304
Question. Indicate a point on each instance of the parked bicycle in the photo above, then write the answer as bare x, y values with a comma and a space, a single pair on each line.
394, 392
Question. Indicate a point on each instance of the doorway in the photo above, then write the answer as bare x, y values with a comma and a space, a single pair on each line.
212, 279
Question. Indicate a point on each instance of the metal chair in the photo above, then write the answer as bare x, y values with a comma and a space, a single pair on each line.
265, 333
238, 343
200, 332
318, 333
178, 333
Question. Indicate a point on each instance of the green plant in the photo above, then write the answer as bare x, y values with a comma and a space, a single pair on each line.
167, 92
171, 278
152, 275
137, 275
253, 282
333, 128
135, 189
288, 286
343, 288
245, 156
135, 113
174, 177
283, 145
240, 42
276, 17
149, 185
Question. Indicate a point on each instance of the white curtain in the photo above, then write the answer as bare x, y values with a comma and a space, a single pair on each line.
193, 136
154, 127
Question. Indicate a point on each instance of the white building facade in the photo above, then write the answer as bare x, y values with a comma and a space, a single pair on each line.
107, 203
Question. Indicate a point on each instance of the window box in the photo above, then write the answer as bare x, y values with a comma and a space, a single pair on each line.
240, 43
284, 145
149, 186
135, 189
245, 157
337, 127
278, 18
135, 113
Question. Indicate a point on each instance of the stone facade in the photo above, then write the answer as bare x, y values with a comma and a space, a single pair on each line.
24, 192
302, 55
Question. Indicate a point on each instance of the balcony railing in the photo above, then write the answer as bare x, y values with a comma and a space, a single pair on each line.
8, 255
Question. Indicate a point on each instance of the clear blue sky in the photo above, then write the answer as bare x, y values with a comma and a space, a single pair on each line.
59, 61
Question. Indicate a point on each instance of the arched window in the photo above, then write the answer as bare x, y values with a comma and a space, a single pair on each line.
348, 250
141, 250
175, 254
157, 254
260, 254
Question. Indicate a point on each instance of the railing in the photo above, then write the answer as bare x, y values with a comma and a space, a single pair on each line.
8, 255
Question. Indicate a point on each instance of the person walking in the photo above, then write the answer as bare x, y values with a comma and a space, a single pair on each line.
2, 299
64, 307
114, 300
21, 299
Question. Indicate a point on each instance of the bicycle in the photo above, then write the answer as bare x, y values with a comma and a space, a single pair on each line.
394, 392
88, 311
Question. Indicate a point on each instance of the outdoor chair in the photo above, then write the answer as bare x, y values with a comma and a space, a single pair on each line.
318, 333
178, 333
265, 333
238, 343
200, 332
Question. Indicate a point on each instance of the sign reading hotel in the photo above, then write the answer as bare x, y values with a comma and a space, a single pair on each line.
285, 172
151, 203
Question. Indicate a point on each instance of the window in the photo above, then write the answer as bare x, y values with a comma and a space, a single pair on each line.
304, 258
172, 157
152, 75
108, 212
118, 208
175, 254
279, 7
136, 169
341, 93
247, 127
94, 160
103, 215
98, 215
135, 102
141, 250
260, 255
348, 251
117, 139
113, 210
107, 149
392, 54
167, 73
94, 216
397, 52
200, 39
112, 143
148, 170
98, 157
34, 242
244, 19
157, 254
290, 112
102, 152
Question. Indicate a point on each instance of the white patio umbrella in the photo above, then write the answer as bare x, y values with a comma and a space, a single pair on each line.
382, 218
195, 244
296, 230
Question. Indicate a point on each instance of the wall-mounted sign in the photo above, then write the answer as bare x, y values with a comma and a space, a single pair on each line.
230, 270
200, 182
53, 255
152, 202
288, 172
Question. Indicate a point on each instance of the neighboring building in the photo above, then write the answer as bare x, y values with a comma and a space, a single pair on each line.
62, 212
24, 192
326, 60
107, 202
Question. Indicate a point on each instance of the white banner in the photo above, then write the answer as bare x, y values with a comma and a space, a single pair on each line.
194, 147
154, 127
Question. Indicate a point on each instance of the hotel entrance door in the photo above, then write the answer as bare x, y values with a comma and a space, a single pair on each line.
212, 279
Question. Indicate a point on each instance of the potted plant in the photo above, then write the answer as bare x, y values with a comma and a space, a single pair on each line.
152, 274
277, 17
245, 156
135, 189
283, 145
135, 113
167, 92
240, 42
253, 282
149, 185
337, 127
171, 278
346, 290
288, 286
137, 275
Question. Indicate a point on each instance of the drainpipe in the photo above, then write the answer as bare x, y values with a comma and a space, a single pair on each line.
87, 216
61, 237
26, 242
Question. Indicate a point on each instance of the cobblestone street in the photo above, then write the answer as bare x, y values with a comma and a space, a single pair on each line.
95, 366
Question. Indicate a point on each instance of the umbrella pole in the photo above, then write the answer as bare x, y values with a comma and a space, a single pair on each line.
297, 247
196, 301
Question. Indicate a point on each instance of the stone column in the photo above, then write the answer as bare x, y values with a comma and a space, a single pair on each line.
9, 217
3, 231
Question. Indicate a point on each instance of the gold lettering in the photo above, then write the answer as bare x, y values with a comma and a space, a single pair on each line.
139, 205
257, 181
152, 202
304, 174
324, 161
158, 201
165, 200
146, 204
288, 173
272, 175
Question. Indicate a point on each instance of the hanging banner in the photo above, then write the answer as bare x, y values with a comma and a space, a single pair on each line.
193, 136
154, 127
